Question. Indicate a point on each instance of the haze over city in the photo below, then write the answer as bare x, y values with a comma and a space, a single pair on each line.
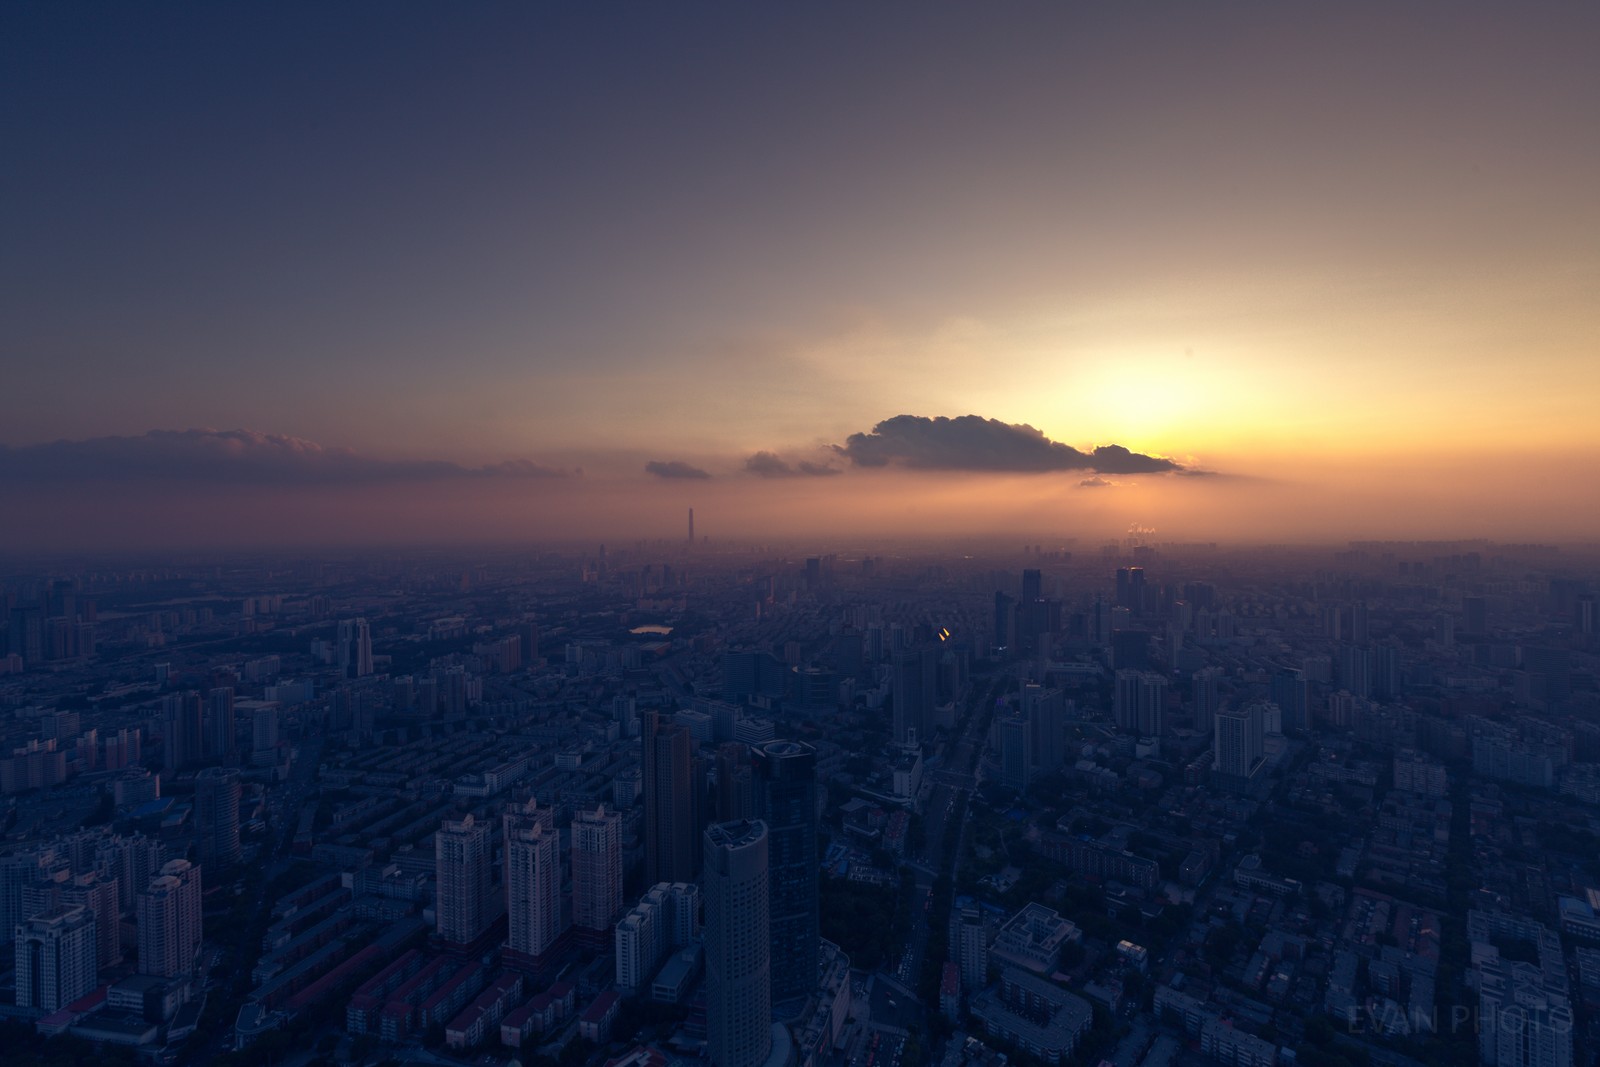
291, 276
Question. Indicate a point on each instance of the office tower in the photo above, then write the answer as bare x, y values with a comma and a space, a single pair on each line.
218, 727
1131, 589
169, 921
461, 880
1046, 711
737, 945
363, 649
532, 882
691, 526
1005, 616
786, 801
1206, 696
596, 868
216, 809
666, 769
1130, 649
181, 731
916, 684
736, 798
1476, 609
1238, 740
750, 672
1292, 693
344, 646
56, 958
1032, 586
1016, 751
529, 634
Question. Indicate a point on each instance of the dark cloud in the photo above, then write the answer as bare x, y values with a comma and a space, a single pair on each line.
769, 465
974, 443
1096, 483
233, 456
674, 469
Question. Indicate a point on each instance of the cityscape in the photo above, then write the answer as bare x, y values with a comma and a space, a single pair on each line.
669, 802
832, 536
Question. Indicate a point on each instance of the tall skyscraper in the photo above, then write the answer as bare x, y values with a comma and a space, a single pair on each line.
1238, 739
56, 958
216, 809
735, 783
181, 732
264, 735
691, 526
1005, 618
1046, 711
220, 742
916, 691
666, 780
737, 945
1206, 696
786, 800
596, 869
1140, 701
98, 893
1292, 693
168, 914
532, 883
1014, 740
363, 650
461, 879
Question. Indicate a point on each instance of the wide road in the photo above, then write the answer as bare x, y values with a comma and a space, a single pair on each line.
950, 784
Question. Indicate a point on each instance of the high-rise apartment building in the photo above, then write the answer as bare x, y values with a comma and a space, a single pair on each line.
1238, 739
596, 869
56, 958
786, 800
532, 883
98, 894
168, 914
461, 870
1140, 701
737, 945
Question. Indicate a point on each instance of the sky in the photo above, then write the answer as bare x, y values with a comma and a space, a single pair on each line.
299, 273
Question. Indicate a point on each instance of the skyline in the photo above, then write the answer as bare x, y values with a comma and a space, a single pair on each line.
530, 274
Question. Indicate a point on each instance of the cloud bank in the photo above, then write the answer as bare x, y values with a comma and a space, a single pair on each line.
770, 465
974, 443
674, 469
234, 457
